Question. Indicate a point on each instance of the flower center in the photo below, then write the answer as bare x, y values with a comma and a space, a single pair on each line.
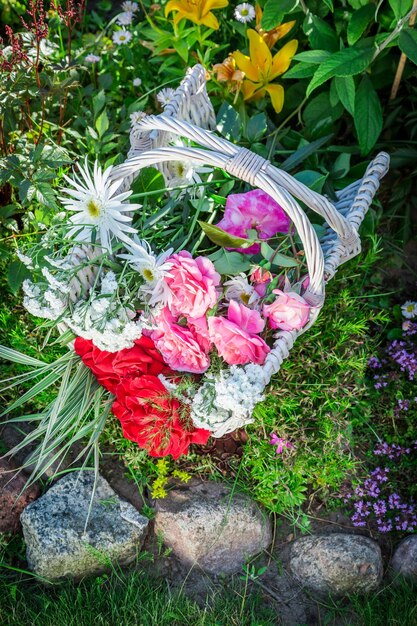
245, 298
148, 275
93, 208
244, 12
410, 308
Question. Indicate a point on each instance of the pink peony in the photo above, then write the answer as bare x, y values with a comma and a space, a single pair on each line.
184, 347
236, 338
289, 311
254, 210
192, 283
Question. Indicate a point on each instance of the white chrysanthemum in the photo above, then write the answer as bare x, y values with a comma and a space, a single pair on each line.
125, 18
121, 37
92, 58
238, 288
136, 117
96, 205
226, 402
244, 13
137, 82
153, 270
130, 6
409, 309
165, 96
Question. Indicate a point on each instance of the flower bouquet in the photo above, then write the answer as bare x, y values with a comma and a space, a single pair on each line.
175, 323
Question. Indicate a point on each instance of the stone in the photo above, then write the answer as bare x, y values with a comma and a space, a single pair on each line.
338, 564
13, 496
61, 543
404, 560
206, 525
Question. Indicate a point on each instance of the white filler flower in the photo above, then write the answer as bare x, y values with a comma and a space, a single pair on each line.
130, 6
137, 82
165, 96
125, 19
244, 12
121, 37
92, 58
96, 205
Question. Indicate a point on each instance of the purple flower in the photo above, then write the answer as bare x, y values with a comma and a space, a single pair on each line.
374, 363
394, 501
380, 507
280, 443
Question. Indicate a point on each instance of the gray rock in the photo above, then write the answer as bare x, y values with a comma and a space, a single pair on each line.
338, 563
59, 544
206, 525
404, 560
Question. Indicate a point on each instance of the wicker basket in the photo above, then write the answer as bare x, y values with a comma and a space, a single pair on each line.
190, 115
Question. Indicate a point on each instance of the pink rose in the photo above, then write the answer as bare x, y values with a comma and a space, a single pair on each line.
254, 210
192, 283
260, 279
288, 312
236, 337
184, 348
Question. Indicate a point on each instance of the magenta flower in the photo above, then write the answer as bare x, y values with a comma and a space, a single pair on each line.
254, 210
280, 443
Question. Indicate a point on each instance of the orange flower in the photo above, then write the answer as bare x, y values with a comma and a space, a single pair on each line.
197, 11
271, 36
227, 72
261, 69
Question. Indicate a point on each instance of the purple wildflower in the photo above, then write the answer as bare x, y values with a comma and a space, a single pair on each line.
280, 443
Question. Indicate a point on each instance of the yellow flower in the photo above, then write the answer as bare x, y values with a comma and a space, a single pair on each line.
271, 36
261, 69
197, 11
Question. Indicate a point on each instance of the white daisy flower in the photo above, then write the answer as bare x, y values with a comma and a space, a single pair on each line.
137, 82
97, 206
136, 117
185, 173
153, 270
165, 96
244, 12
121, 36
409, 309
238, 288
130, 6
92, 58
125, 19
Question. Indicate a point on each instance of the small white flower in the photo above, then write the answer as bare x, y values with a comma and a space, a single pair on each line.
125, 19
244, 12
165, 96
130, 6
153, 270
26, 260
97, 205
137, 82
121, 37
238, 288
409, 309
109, 283
92, 58
136, 117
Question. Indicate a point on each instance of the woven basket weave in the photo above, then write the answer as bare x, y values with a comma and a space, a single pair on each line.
190, 115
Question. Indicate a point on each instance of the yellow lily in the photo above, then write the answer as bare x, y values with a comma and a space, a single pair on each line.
271, 36
261, 69
197, 11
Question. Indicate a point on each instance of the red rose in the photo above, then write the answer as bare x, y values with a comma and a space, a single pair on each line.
153, 418
110, 367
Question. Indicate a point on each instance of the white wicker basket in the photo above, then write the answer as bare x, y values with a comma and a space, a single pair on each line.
190, 115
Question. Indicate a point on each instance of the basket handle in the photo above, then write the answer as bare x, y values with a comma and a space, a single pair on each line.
249, 167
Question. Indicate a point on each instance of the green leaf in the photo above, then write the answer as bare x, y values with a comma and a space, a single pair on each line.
99, 100
408, 43
256, 127
102, 123
149, 179
303, 153
313, 180
347, 62
16, 274
26, 191
345, 89
320, 34
229, 123
359, 21
274, 12
312, 56
182, 47
368, 115
300, 70
221, 238
229, 263
276, 258
400, 7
